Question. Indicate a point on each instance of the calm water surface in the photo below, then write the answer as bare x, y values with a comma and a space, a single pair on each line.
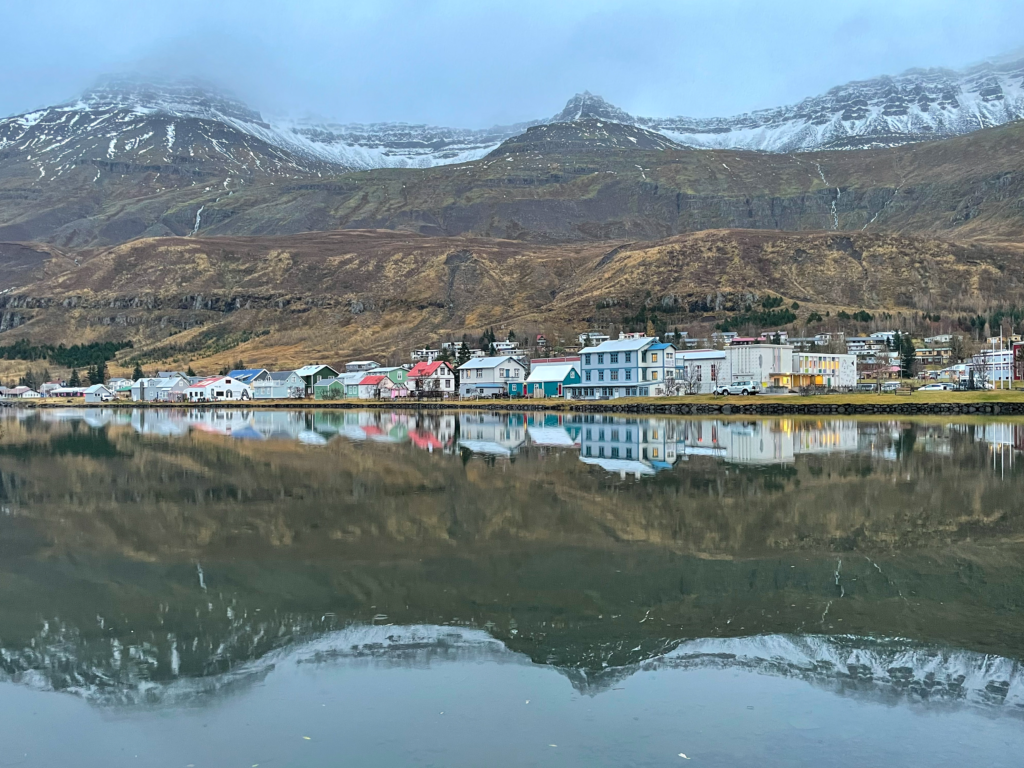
314, 588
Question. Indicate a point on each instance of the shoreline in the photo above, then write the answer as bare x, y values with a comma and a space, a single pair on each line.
836, 405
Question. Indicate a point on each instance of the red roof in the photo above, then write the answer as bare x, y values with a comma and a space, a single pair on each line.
206, 382
425, 369
369, 380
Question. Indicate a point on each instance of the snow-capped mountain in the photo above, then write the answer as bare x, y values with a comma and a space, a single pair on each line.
170, 670
887, 111
188, 131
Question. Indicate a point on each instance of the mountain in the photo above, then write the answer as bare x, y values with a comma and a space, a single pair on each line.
132, 159
918, 105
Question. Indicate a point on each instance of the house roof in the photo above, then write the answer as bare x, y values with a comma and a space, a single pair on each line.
96, 388
662, 345
158, 383
425, 369
487, 362
309, 370
281, 375
246, 375
621, 345
207, 382
701, 354
550, 373
369, 381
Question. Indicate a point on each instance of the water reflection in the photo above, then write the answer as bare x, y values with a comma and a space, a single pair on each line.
625, 446
192, 558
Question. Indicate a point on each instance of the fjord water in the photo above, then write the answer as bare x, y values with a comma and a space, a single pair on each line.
376, 588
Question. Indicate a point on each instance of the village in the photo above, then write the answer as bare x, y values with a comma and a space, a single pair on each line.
633, 365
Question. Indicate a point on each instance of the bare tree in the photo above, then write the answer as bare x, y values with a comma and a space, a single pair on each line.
690, 379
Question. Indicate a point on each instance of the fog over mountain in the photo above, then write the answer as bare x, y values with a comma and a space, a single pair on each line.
473, 65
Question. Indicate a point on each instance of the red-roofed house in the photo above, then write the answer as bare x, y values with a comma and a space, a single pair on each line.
380, 386
218, 388
432, 377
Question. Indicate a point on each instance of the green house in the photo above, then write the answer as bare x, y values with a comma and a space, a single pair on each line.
548, 379
311, 374
329, 389
398, 375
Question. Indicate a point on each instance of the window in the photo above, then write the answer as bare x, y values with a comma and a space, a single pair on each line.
654, 434
588, 375
714, 372
586, 359
629, 374
600, 434
654, 375
615, 375
614, 357
629, 435
615, 435
600, 451
615, 453
654, 453
629, 357
654, 357
600, 375
669, 356
643, 391
600, 359
589, 435
588, 451
629, 453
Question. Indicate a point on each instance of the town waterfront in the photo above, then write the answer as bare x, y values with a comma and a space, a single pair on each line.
209, 587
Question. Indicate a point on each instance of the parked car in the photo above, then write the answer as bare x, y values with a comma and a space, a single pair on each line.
891, 386
937, 387
867, 386
739, 388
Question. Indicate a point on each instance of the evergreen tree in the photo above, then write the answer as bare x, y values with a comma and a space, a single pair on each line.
190, 372
74, 381
101, 372
137, 373
46, 374
908, 358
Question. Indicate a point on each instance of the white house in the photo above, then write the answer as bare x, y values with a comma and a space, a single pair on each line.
218, 388
379, 386
279, 385
151, 389
698, 370
98, 393
490, 376
435, 376
425, 355
766, 364
22, 393
360, 365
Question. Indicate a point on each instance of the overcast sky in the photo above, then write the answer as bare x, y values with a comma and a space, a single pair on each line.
475, 63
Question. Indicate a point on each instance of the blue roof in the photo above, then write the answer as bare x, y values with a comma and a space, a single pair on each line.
663, 345
246, 375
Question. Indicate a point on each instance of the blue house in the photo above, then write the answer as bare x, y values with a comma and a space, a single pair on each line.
550, 380
626, 367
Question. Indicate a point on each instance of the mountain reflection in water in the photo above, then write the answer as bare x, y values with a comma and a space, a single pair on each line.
178, 557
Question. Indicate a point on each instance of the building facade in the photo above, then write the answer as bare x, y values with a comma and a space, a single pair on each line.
490, 376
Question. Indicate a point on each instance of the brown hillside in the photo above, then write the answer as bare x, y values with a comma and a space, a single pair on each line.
329, 296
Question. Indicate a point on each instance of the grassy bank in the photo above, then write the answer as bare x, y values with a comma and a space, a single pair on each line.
555, 404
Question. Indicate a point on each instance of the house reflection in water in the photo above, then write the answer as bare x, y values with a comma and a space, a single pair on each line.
626, 446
